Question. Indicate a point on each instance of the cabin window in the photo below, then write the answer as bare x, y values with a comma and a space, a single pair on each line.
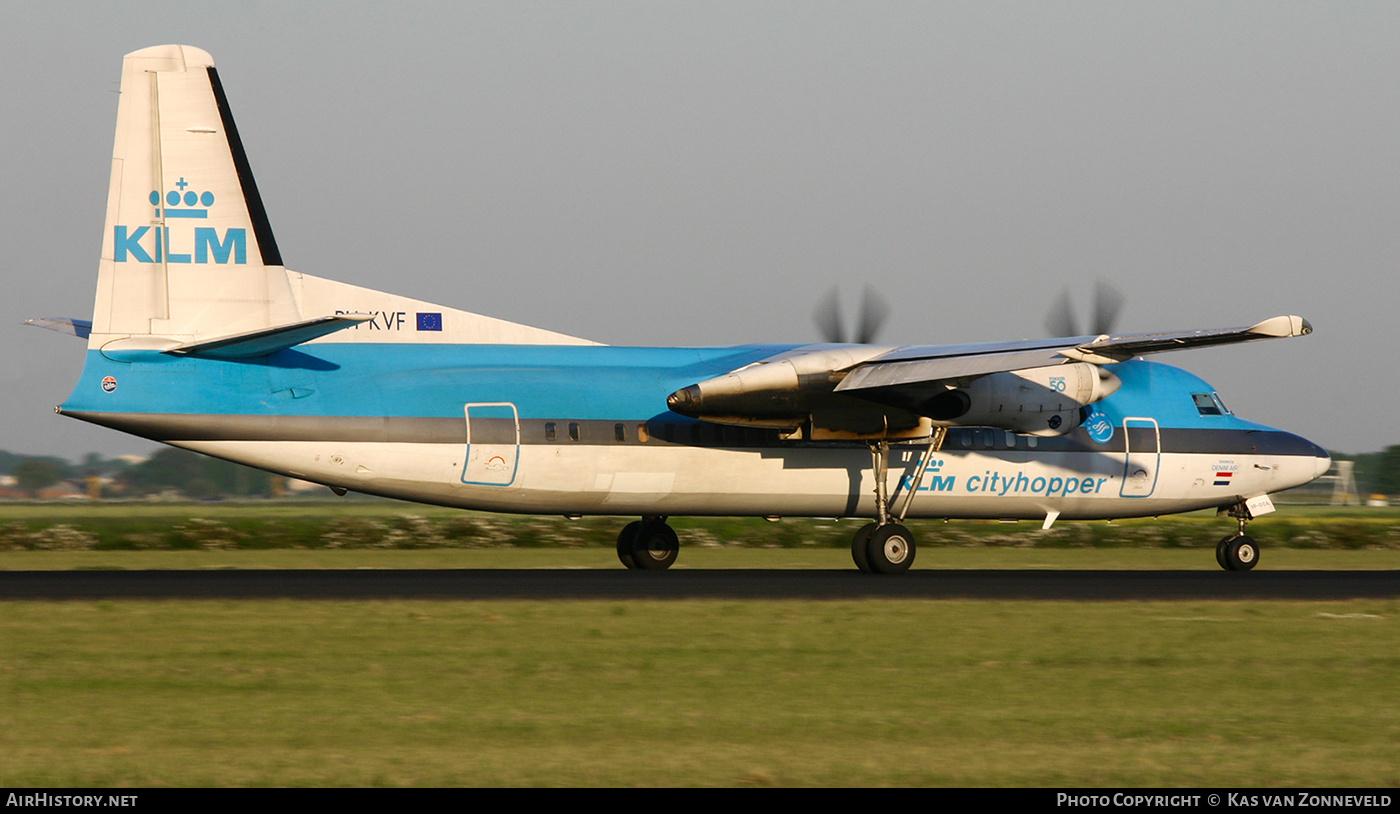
549, 431
670, 433
620, 432
1011, 440
573, 430
1209, 404
642, 434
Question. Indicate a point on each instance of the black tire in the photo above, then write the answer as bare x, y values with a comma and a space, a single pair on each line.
859, 546
1220, 552
656, 547
1242, 553
626, 541
890, 549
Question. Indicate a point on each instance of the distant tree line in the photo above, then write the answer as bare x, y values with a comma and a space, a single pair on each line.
170, 470
198, 476
1376, 472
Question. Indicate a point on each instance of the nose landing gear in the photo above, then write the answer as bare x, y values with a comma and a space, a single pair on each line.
1238, 552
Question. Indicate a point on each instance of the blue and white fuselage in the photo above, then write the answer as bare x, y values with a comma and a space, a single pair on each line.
578, 431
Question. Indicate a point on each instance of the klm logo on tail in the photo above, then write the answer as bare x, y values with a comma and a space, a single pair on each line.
152, 244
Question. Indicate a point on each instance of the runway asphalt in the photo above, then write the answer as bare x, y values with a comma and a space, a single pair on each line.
684, 583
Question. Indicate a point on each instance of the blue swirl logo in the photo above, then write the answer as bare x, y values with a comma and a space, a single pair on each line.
1098, 426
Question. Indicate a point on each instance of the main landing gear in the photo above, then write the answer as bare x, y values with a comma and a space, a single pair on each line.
882, 547
887, 549
886, 546
648, 544
1238, 552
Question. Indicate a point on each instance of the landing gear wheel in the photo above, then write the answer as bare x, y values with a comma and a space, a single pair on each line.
1241, 553
626, 539
890, 549
656, 546
1220, 552
859, 543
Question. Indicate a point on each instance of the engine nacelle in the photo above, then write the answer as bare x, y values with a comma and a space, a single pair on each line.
1042, 401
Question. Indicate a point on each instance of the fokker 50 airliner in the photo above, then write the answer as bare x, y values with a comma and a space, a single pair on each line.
201, 338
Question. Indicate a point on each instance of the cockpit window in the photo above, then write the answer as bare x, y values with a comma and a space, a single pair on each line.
1209, 404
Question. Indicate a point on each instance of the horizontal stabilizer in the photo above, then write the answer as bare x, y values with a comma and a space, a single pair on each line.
252, 344
80, 328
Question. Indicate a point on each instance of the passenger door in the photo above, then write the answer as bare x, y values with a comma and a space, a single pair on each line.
493, 444
1142, 455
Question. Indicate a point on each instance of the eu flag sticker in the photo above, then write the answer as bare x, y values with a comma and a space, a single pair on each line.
429, 322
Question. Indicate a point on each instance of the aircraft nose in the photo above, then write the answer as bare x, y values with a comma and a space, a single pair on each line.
1310, 461
1321, 463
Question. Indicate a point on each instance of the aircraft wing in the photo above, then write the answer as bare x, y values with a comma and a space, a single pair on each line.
866, 391
915, 363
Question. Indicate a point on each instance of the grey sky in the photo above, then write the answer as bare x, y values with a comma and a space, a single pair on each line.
700, 173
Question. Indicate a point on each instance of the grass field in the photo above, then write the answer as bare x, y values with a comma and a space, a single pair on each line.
404, 693
693, 693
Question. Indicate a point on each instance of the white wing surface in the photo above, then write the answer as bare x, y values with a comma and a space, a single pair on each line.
859, 391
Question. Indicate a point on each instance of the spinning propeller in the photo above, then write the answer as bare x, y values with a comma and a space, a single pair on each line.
1108, 301
873, 311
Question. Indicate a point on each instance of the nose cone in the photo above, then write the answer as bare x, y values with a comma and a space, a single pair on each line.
1108, 383
685, 401
1298, 460
1312, 461
1321, 463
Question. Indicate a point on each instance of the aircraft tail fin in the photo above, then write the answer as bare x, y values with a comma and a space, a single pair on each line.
189, 259
187, 248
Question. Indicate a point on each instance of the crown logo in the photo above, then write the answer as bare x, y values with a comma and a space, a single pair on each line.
176, 197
